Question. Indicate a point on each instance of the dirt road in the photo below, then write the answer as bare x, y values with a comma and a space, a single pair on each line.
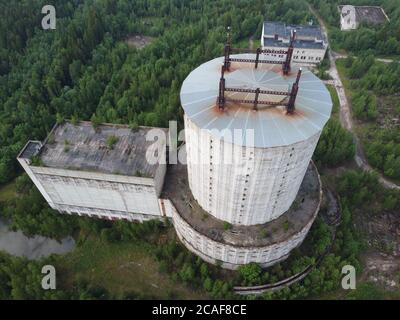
345, 110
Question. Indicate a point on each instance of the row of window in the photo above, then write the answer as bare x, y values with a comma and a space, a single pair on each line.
311, 58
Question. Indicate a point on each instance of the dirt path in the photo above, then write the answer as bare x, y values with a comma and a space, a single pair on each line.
345, 110
344, 56
251, 43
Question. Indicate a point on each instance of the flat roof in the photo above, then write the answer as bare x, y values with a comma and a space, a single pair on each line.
284, 30
30, 150
369, 14
272, 126
81, 147
302, 211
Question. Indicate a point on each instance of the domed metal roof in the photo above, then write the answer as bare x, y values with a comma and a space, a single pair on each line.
271, 124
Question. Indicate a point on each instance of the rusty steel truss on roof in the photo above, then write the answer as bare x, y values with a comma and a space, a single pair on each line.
228, 50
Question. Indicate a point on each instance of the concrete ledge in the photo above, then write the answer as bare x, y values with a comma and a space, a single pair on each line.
249, 244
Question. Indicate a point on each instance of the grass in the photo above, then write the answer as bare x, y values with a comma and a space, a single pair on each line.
335, 100
364, 291
340, 64
111, 141
7, 192
120, 268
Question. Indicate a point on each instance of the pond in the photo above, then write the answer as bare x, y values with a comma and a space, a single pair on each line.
33, 248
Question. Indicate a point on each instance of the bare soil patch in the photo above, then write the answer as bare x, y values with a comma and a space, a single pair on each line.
138, 41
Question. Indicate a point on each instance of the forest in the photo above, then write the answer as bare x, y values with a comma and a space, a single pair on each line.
373, 92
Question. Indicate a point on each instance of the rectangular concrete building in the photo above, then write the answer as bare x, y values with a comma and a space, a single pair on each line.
102, 172
352, 16
309, 46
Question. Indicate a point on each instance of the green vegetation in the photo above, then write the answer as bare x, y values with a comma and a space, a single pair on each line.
111, 141
323, 278
250, 273
366, 291
360, 195
361, 191
374, 101
125, 268
66, 146
36, 161
335, 100
95, 120
30, 213
99, 268
7, 192
335, 145
227, 226
382, 39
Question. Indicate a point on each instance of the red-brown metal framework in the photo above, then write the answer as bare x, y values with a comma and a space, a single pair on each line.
285, 64
292, 94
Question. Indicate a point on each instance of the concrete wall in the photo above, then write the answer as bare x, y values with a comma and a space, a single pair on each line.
97, 194
348, 20
257, 187
104, 213
25, 165
232, 257
300, 56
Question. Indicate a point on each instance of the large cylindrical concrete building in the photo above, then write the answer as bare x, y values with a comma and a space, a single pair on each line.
253, 193
241, 179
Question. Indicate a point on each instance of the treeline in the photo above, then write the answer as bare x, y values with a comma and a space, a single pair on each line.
369, 74
361, 191
30, 213
19, 23
384, 152
335, 145
20, 279
191, 270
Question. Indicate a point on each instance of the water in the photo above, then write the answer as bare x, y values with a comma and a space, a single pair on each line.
17, 244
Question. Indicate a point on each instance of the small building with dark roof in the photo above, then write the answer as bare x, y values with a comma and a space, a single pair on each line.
352, 16
309, 46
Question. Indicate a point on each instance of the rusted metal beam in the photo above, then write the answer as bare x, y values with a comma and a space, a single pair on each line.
272, 103
254, 61
273, 92
221, 93
256, 99
227, 59
244, 50
293, 93
286, 65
